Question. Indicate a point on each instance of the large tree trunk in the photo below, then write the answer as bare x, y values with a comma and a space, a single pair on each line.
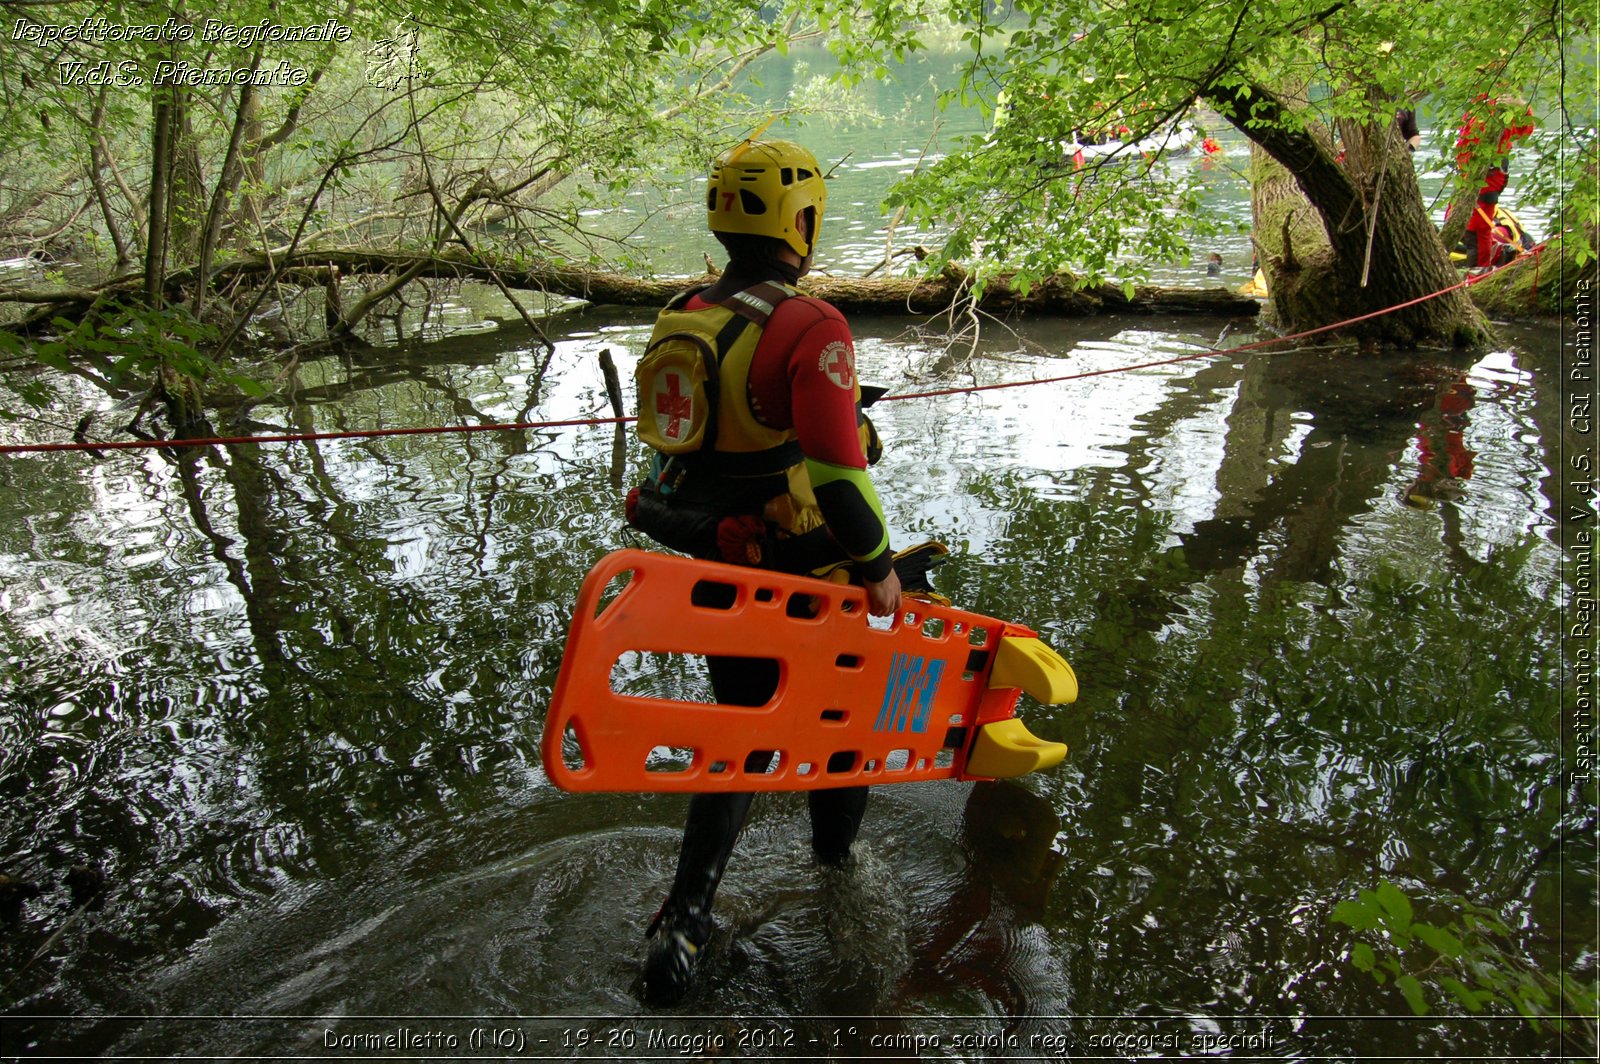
181, 394
1381, 251
186, 201
155, 249
1289, 238
97, 182
1058, 296
252, 176
227, 184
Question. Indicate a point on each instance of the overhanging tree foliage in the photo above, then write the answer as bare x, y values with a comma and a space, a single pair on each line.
164, 143
1314, 84
152, 138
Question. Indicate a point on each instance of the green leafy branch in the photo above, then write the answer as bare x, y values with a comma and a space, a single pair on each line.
131, 348
1470, 957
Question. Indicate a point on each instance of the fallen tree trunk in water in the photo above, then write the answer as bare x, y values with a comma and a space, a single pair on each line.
1059, 295
1531, 294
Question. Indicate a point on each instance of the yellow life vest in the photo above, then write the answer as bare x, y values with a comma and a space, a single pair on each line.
694, 410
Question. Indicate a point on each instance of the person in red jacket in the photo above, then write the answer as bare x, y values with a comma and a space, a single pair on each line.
1470, 151
782, 466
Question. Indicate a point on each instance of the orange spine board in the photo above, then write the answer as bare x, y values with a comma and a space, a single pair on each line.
855, 704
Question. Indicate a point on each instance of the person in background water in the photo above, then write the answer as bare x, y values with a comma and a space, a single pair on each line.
1407, 122
1471, 147
786, 466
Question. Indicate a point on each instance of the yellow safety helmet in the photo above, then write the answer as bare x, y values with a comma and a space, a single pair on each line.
759, 186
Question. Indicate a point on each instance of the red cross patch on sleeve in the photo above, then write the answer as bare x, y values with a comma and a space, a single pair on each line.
837, 363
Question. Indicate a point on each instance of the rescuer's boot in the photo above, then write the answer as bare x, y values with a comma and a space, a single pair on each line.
677, 938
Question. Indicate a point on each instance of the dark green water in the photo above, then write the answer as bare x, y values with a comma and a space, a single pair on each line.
288, 699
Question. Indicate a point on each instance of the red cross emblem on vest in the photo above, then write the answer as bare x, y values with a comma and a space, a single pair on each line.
674, 404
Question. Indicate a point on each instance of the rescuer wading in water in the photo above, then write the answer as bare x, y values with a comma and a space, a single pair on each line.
749, 398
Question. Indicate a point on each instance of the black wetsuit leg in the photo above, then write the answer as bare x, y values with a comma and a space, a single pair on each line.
835, 818
715, 819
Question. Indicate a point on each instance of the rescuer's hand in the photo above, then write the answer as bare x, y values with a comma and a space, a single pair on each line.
883, 596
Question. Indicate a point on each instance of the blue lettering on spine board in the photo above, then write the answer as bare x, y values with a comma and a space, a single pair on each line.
909, 694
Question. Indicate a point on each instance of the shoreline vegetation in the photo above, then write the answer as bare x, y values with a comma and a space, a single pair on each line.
342, 161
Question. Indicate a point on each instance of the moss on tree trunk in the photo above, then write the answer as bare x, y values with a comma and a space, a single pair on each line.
1550, 281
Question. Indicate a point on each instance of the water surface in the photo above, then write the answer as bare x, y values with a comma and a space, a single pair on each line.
288, 699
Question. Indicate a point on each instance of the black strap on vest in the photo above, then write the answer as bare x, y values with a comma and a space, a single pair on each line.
756, 463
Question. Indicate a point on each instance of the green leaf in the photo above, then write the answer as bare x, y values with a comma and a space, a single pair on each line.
54, 355
1471, 1000
1439, 940
1395, 903
1529, 989
1584, 998
1362, 957
1358, 914
1412, 989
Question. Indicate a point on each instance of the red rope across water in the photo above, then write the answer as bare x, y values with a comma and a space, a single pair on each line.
1463, 283
356, 434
